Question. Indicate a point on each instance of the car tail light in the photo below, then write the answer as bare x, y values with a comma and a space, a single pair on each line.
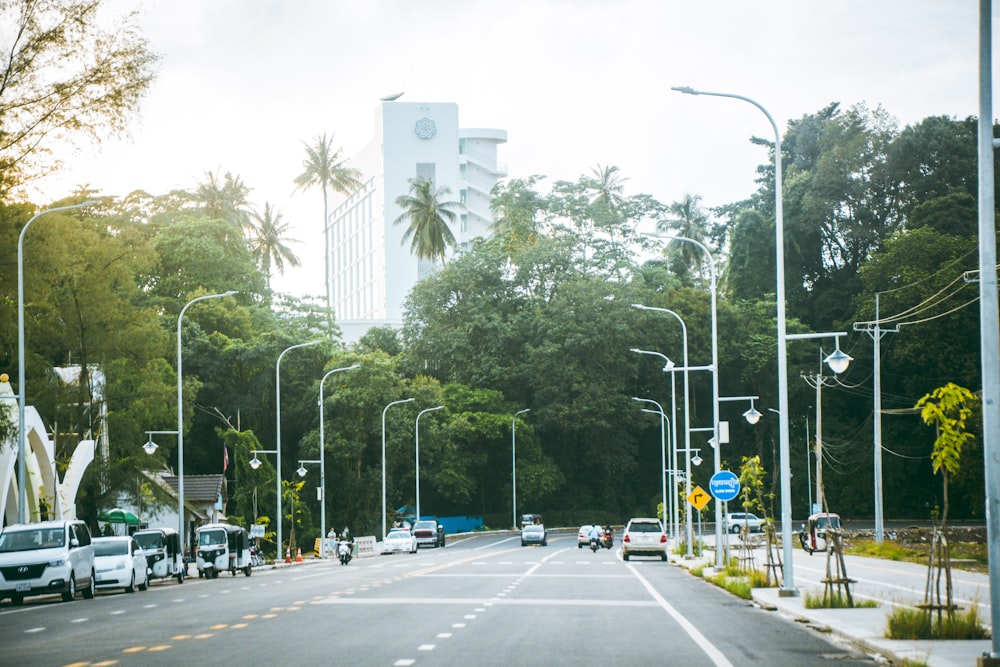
663, 539
625, 538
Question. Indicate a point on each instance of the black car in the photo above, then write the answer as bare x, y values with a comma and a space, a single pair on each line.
429, 533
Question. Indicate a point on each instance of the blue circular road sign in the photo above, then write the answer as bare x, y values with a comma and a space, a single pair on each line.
724, 485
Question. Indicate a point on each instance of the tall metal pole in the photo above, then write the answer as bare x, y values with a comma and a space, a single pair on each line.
416, 429
513, 466
384, 410
688, 520
182, 529
988, 314
663, 451
788, 580
22, 479
277, 412
322, 460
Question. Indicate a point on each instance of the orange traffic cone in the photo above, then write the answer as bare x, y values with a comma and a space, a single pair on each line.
298, 556
288, 554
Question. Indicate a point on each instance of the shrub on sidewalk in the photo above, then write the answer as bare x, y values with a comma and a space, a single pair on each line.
836, 601
912, 623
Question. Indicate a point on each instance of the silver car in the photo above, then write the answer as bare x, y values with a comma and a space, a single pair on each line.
534, 534
734, 522
644, 537
46, 557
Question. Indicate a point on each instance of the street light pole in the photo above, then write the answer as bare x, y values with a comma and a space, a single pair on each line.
416, 429
663, 452
513, 465
384, 410
182, 529
22, 480
322, 460
788, 580
277, 413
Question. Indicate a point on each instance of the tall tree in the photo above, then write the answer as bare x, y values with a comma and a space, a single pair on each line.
324, 166
689, 220
268, 242
225, 200
428, 215
64, 76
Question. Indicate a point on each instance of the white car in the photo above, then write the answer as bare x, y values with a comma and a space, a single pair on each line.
120, 563
47, 557
644, 537
399, 539
734, 522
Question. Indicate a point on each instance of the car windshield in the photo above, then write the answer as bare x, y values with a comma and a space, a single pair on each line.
424, 525
828, 522
398, 534
211, 537
111, 547
28, 540
149, 540
644, 528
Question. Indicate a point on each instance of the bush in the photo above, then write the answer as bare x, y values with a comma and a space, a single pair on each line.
912, 623
836, 601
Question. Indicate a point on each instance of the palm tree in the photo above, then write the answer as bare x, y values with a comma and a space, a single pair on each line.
268, 242
428, 216
689, 220
325, 167
225, 199
607, 187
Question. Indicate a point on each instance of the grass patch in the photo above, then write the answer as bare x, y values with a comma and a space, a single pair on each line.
738, 586
971, 556
836, 601
913, 623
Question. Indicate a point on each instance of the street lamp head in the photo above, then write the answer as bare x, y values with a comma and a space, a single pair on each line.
752, 416
150, 446
838, 361
302, 470
696, 460
687, 90
255, 462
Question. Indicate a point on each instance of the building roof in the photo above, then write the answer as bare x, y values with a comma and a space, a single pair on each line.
198, 488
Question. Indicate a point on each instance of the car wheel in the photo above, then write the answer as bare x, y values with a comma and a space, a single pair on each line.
734, 530
247, 570
17, 600
545, 543
69, 594
579, 546
145, 583
663, 557
131, 587
523, 543
91, 590
625, 556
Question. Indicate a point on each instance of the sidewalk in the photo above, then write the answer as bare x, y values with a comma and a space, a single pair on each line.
864, 627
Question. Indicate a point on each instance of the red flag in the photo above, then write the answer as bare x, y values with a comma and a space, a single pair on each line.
225, 458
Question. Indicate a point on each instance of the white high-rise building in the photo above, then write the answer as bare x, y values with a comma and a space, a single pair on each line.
372, 269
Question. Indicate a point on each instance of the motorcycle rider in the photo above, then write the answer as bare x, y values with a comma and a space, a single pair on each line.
595, 534
608, 537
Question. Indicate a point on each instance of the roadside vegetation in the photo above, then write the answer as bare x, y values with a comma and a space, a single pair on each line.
912, 623
970, 556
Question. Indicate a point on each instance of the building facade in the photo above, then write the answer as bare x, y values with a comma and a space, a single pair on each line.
372, 270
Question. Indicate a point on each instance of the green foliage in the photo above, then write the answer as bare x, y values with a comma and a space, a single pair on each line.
428, 216
911, 624
948, 408
836, 601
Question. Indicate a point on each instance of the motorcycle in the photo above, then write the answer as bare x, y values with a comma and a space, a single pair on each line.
595, 544
344, 552
608, 540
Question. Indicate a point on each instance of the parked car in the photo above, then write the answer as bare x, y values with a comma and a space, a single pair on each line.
734, 522
534, 534
429, 533
120, 563
47, 557
399, 539
583, 536
644, 537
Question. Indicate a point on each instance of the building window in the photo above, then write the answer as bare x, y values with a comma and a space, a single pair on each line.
465, 222
463, 145
426, 170
463, 196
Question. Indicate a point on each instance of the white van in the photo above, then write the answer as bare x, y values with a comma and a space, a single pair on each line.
47, 557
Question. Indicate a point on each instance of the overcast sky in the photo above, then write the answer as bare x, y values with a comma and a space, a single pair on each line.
243, 83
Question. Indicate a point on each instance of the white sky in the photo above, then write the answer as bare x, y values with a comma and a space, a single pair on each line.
243, 83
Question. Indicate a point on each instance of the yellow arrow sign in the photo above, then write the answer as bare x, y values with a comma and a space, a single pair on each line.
699, 498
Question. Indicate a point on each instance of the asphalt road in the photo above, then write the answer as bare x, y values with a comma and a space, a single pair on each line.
484, 600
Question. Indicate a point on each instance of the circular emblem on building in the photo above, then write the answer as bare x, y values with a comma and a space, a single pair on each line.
425, 128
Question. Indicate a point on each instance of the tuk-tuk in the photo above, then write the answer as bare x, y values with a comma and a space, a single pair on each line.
531, 520
222, 547
813, 535
164, 555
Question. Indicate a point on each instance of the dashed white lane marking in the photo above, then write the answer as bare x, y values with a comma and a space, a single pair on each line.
444, 635
404, 662
458, 625
31, 631
426, 647
469, 617
79, 620
149, 606
116, 612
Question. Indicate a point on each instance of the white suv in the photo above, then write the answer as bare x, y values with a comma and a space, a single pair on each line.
644, 537
735, 521
47, 557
